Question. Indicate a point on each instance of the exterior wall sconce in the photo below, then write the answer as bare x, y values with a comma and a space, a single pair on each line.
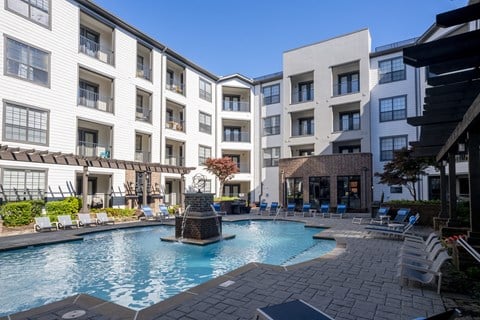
461, 147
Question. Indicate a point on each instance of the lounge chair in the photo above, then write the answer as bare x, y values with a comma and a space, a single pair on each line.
290, 209
65, 221
419, 251
325, 210
423, 258
296, 309
85, 220
148, 213
164, 214
306, 209
341, 209
394, 232
274, 209
217, 209
263, 208
382, 216
425, 275
402, 215
412, 241
102, 218
43, 223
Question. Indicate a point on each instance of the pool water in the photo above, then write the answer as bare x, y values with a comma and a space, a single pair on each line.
133, 268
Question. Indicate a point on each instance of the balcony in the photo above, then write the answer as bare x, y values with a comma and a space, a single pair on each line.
175, 80
91, 99
176, 86
174, 160
143, 114
174, 123
90, 149
144, 72
302, 124
95, 50
346, 78
346, 87
235, 99
235, 136
142, 156
305, 95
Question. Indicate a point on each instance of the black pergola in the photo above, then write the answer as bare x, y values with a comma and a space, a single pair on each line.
58, 158
450, 123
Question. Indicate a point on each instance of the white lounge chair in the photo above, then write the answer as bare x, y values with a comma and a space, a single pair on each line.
423, 274
85, 220
394, 232
65, 221
43, 223
102, 218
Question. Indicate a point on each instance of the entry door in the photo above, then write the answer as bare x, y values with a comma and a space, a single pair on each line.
88, 142
235, 158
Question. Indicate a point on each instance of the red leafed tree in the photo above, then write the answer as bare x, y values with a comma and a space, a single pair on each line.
223, 168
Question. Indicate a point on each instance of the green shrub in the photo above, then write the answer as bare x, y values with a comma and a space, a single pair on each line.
411, 202
69, 206
116, 212
224, 198
17, 213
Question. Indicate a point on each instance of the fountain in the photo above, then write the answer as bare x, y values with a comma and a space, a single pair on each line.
199, 224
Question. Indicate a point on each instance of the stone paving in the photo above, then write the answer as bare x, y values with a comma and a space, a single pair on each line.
357, 280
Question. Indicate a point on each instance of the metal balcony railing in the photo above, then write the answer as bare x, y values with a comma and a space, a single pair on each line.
236, 106
299, 96
90, 149
176, 86
143, 113
94, 100
175, 124
94, 49
142, 156
341, 88
175, 160
236, 137
144, 72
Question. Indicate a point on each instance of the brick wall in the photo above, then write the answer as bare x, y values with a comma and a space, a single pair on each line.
199, 202
354, 164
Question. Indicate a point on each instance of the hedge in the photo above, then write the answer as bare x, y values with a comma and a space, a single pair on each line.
19, 213
70, 205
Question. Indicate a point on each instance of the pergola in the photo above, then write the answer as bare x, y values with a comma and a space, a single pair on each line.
450, 123
58, 158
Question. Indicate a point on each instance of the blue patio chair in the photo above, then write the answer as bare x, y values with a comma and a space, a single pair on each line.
341, 209
402, 215
263, 208
290, 209
306, 209
382, 216
325, 210
164, 214
274, 209
216, 207
393, 230
148, 213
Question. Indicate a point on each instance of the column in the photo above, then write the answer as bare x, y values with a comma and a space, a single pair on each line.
182, 192
144, 188
452, 186
85, 190
443, 192
473, 145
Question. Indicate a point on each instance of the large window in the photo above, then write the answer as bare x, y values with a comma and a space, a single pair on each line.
348, 191
203, 154
205, 122
388, 146
391, 70
394, 108
21, 184
350, 121
294, 191
348, 83
25, 124
205, 91
36, 10
271, 156
305, 91
26, 62
271, 125
271, 94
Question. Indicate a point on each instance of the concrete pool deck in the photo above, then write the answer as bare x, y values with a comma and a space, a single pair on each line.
357, 280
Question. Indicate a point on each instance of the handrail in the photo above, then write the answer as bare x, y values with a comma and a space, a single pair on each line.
469, 248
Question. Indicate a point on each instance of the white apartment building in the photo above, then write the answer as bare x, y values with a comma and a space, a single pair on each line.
78, 80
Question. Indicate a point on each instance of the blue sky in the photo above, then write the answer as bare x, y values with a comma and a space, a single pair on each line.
249, 36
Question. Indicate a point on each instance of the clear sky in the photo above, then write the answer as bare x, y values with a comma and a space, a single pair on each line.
249, 36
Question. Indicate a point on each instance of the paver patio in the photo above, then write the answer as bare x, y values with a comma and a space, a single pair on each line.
357, 280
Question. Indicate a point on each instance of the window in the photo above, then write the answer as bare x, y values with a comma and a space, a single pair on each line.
348, 191
305, 91
235, 134
348, 83
90, 42
21, 184
391, 70
394, 108
349, 149
205, 123
271, 156
26, 62
305, 126
88, 95
271, 125
231, 103
231, 190
389, 145
203, 154
271, 94
350, 121
205, 91
434, 185
36, 10
207, 186
25, 124
319, 191
396, 189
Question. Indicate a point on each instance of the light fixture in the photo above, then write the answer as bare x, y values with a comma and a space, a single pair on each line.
461, 147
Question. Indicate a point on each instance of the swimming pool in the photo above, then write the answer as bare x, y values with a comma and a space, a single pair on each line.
133, 268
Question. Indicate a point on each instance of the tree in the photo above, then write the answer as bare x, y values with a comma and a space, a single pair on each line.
405, 169
223, 168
